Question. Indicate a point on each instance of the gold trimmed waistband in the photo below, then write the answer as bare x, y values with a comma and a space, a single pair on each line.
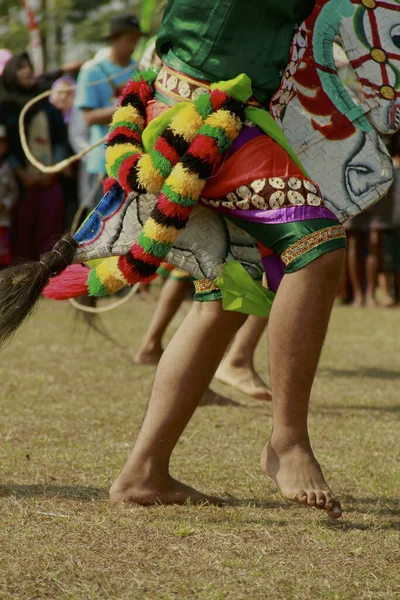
180, 87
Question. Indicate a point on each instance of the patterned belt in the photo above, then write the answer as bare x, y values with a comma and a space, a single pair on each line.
178, 86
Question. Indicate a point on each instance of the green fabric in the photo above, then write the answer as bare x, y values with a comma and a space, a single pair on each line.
241, 293
279, 236
208, 296
215, 40
239, 87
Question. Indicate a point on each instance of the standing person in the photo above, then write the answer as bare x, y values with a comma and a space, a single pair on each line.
39, 216
62, 97
8, 197
98, 100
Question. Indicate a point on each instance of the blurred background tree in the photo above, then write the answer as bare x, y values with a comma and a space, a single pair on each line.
70, 29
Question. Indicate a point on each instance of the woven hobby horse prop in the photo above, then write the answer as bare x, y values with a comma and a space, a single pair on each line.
164, 201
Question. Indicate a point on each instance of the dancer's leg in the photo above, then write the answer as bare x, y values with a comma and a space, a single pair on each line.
184, 372
296, 331
374, 261
355, 270
172, 295
237, 367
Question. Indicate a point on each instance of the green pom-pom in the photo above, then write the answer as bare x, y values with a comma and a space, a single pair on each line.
95, 287
162, 164
157, 249
204, 106
224, 143
177, 198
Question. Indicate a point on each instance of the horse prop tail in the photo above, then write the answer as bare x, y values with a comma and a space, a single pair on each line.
21, 286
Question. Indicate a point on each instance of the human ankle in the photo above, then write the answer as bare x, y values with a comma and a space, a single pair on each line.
285, 439
143, 470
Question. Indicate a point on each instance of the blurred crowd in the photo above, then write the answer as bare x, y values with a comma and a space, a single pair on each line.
36, 207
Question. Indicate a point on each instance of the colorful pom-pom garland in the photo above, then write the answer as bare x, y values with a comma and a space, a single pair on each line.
184, 156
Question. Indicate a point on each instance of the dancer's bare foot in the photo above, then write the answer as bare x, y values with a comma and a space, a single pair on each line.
298, 475
244, 379
148, 355
158, 491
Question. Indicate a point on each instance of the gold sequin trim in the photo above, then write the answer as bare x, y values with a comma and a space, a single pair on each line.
202, 286
312, 241
178, 86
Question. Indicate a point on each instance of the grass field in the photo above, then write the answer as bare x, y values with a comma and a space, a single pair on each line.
71, 404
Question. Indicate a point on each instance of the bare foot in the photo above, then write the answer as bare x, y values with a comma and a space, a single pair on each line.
298, 475
169, 491
358, 301
244, 379
387, 302
370, 302
148, 355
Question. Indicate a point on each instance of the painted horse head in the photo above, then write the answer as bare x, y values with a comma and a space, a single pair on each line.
371, 36
323, 123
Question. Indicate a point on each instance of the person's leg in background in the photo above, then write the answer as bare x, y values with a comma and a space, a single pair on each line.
373, 266
355, 265
173, 293
237, 367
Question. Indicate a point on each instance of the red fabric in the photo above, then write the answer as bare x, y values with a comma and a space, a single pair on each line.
155, 109
261, 157
39, 221
5, 249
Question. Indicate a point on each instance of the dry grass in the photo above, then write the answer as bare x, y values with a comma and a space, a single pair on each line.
71, 404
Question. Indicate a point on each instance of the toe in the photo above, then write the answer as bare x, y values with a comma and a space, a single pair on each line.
336, 511
311, 498
300, 497
321, 499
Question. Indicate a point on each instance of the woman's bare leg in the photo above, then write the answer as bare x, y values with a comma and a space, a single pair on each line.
296, 331
184, 372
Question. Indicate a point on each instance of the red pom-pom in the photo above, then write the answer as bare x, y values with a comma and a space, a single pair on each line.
125, 170
133, 136
218, 98
205, 147
172, 209
71, 283
167, 150
108, 183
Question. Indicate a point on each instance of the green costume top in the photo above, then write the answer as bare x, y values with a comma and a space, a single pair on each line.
215, 40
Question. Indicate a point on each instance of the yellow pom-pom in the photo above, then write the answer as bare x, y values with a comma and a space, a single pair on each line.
113, 153
110, 275
187, 122
229, 122
185, 183
130, 114
148, 176
160, 233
